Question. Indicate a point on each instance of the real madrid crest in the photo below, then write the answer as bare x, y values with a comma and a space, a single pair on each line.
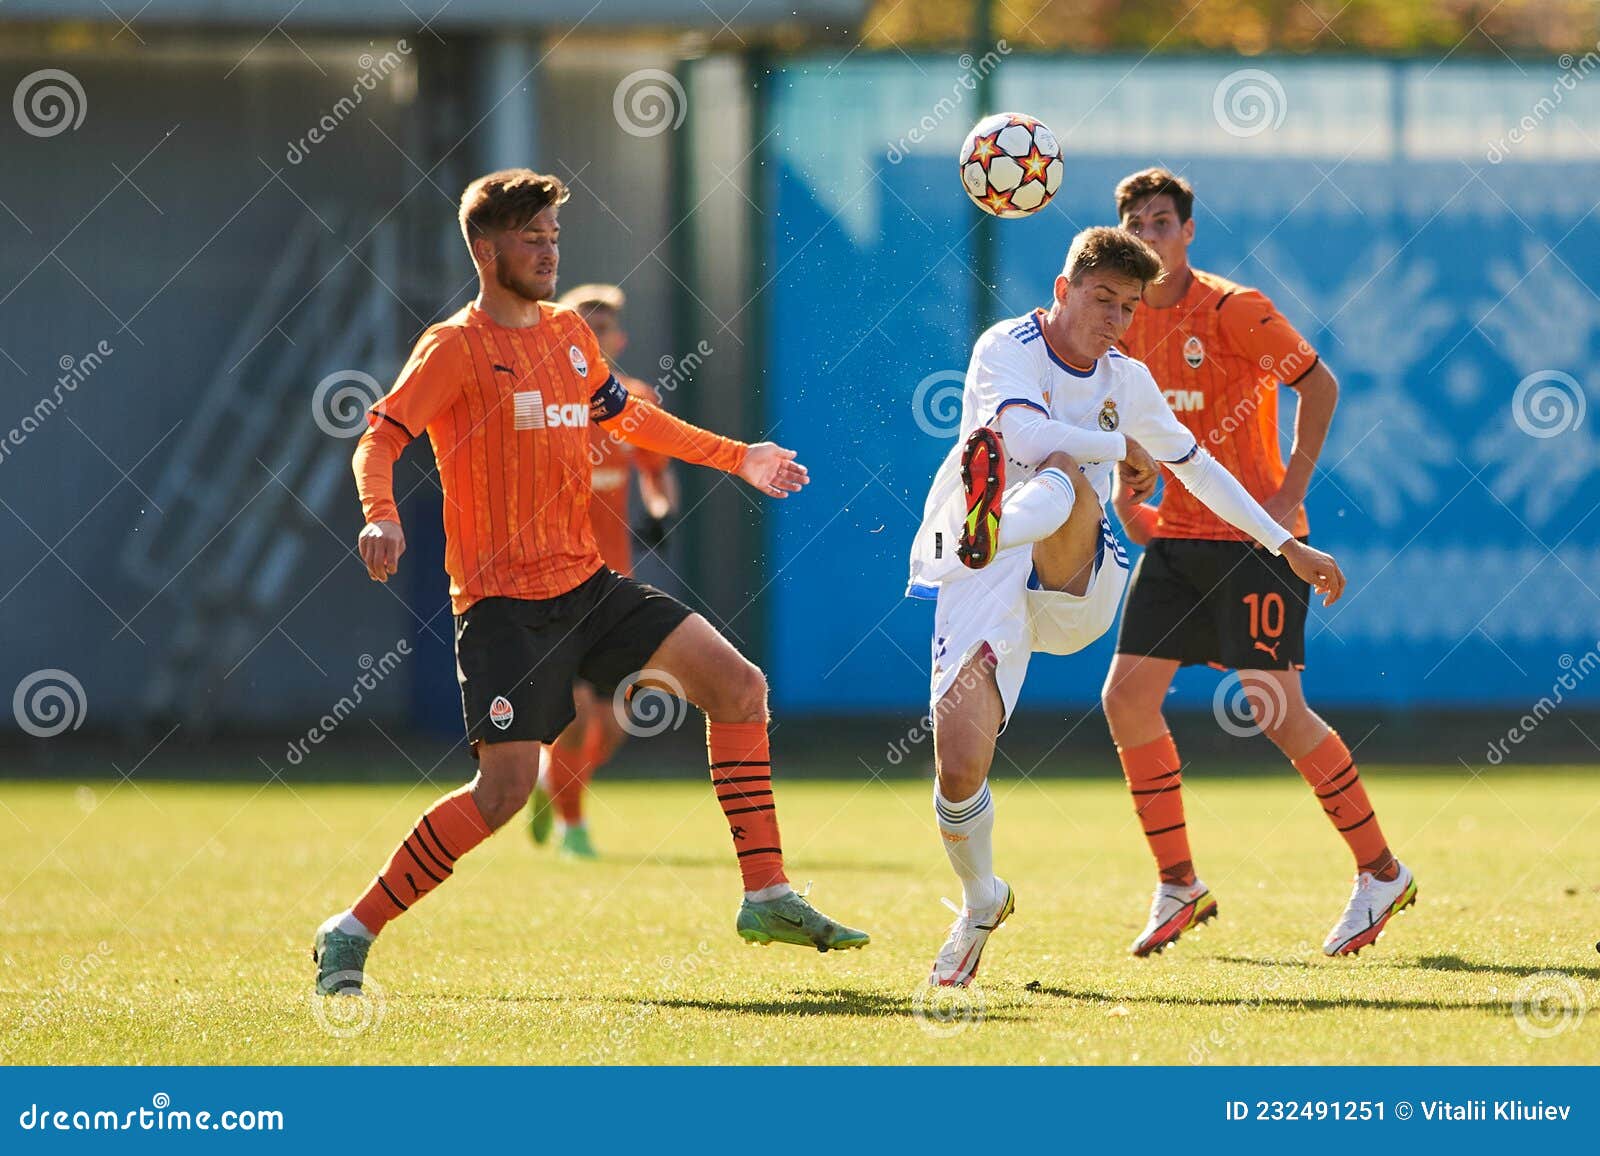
1193, 352
580, 365
1108, 416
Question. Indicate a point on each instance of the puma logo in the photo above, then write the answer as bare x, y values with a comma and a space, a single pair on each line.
415, 890
952, 837
1272, 650
738, 832
498, 368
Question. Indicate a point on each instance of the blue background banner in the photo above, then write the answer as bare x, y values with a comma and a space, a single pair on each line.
1447, 276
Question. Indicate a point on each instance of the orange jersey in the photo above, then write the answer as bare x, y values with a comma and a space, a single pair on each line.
508, 413
614, 461
1219, 355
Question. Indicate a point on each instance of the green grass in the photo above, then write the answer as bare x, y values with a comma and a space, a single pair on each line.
171, 923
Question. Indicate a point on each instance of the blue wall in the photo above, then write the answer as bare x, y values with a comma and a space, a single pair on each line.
1431, 280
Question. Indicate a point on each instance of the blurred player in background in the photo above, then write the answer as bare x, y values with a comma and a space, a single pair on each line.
1014, 541
1203, 592
567, 764
506, 389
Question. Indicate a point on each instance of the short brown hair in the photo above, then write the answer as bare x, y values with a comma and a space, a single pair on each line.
1117, 250
1141, 186
508, 199
594, 296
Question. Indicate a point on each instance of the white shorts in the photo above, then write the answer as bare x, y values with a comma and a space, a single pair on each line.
1003, 605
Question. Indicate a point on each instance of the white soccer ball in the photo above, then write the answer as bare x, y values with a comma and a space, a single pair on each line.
1010, 165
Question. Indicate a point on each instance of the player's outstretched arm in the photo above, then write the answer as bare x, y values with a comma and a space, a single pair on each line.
381, 541
772, 469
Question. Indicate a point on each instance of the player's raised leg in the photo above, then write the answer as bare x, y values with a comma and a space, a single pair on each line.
698, 662
425, 858
1384, 886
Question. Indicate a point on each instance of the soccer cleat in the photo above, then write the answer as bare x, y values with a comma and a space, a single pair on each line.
957, 962
341, 959
1174, 910
541, 815
790, 919
983, 475
1372, 902
575, 844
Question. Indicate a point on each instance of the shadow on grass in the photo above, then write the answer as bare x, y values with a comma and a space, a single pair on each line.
723, 861
1432, 963
1287, 1002
1519, 971
836, 1002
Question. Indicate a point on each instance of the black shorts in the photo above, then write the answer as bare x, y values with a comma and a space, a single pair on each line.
1227, 604
517, 658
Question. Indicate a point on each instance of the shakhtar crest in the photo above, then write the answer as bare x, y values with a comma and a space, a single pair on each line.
1108, 416
500, 712
1193, 352
580, 364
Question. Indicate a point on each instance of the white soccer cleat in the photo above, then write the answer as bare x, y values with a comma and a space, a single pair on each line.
957, 962
1174, 910
1372, 902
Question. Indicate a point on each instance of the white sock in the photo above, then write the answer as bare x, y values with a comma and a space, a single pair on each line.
350, 925
968, 830
1036, 509
766, 894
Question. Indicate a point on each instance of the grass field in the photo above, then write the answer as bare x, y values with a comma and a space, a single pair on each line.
170, 923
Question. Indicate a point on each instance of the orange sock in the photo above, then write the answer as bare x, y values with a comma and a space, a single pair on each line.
566, 775
1332, 773
426, 858
741, 773
1156, 781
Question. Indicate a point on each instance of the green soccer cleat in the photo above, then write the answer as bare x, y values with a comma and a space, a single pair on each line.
541, 815
575, 844
790, 919
341, 959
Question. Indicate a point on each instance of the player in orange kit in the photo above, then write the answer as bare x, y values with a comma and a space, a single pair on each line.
1203, 594
568, 763
506, 389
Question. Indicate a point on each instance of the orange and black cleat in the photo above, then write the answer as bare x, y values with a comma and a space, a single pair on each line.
983, 475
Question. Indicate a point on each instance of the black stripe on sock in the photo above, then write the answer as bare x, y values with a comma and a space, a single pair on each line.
743, 763
427, 850
1371, 815
420, 863
429, 825
761, 851
395, 899
1164, 830
1159, 790
742, 779
747, 810
1347, 769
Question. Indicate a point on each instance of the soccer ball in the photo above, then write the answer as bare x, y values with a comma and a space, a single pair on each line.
1010, 165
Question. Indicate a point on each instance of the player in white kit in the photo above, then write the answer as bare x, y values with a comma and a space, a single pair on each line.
1014, 543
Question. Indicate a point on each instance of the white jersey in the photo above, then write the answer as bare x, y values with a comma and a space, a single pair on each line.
1013, 364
